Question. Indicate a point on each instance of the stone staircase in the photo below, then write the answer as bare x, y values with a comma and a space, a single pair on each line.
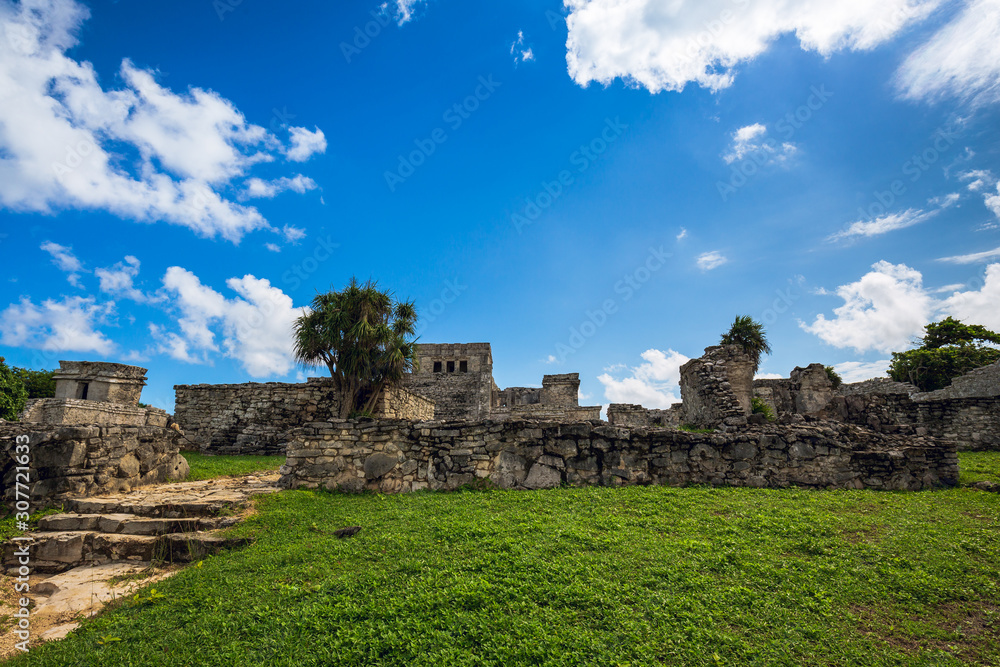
173, 523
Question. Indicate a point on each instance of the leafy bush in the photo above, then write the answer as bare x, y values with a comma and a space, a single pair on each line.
39, 384
759, 407
834, 377
13, 395
950, 349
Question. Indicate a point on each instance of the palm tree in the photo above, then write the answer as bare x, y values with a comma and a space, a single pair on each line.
750, 336
364, 337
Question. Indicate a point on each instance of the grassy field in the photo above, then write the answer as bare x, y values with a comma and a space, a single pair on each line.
213, 467
591, 576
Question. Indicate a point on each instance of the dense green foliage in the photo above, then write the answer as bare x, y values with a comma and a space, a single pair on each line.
750, 336
949, 349
40, 384
579, 576
363, 336
834, 377
760, 407
13, 395
213, 467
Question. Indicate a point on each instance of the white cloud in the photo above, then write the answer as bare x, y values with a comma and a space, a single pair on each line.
255, 327
980, 306
273, 247
665, 45
519, 51
859, 371
978, 179
711, 260
885, 224
403, 9
961, 60
653, 384
551, 359
973, 258
64, 258
293, 234
68, 325
258, 188
140, 152
118, 280
993, 202
752, 141
768, 376
888, 307
305, 144
683, 234
882, 311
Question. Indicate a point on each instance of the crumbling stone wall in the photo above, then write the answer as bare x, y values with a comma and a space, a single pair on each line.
393, 457
557, 400
716, 388
254, 418
978, 383
74, 461
100, 381
631, 415
561, 390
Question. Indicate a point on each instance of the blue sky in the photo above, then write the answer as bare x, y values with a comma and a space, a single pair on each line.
594, 187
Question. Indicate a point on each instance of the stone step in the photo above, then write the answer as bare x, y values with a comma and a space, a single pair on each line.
58, 551
193, 508
128, 524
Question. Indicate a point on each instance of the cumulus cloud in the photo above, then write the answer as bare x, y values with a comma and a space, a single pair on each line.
653, 384
305, 144
889, 306
666, 45
254, 327
752, 141
711, 260
961, 60
118, 280
140, 152
258, 188
64, 258
69, 325
859, 371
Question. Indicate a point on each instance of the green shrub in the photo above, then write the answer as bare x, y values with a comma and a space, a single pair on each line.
13, 395
834, 377
949, 349
39, 384
759, 407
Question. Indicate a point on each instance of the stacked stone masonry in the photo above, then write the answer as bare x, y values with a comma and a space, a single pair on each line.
392, 457
716, 389
72, 461
630, 415
254, 418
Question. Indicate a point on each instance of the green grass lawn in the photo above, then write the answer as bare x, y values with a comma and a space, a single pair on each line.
581, 576
978, 467
213, 467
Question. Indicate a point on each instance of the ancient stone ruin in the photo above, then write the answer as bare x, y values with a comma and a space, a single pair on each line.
452, 381
90, 392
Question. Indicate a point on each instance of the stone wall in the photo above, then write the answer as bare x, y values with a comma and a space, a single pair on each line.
254, 418
74, 461
71, 411
392, 457
553, 413
562, 390
631, 415
979, 383
716, 388
100, 381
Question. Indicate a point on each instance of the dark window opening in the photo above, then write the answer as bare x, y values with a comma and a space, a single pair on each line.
437, 366
451, 366
463, 367
82, 389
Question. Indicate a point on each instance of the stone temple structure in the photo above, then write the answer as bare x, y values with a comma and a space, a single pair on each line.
96, 393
